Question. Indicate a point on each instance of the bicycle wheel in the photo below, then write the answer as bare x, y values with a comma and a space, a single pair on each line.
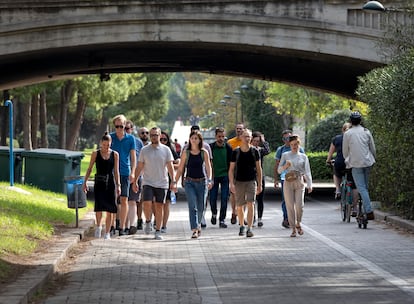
343, 200
348, 212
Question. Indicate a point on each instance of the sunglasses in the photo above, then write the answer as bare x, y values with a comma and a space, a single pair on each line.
163, 139
119, 127
144, 132
127, 128
286, 138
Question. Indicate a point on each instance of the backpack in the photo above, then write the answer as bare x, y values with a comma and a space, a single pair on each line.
251, 149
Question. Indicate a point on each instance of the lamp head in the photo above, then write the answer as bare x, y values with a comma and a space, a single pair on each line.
374, 7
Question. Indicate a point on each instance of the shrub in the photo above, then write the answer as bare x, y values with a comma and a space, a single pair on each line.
320, 137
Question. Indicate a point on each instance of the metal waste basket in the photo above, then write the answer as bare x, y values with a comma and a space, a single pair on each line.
76, 196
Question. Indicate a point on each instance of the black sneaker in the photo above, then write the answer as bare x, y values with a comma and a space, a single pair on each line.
139, 224
132, 230
233, 219
260, 223
203, 226
112, 231
285, 224
223, 225
123, 232
214, 219
241, 232
249, 233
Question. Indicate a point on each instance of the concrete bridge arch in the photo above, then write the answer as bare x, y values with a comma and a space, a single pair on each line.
320, 44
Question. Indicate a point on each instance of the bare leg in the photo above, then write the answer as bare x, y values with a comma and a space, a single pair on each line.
124, 212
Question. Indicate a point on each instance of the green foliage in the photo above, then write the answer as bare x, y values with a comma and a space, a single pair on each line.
320, 171
320, 137
390, 93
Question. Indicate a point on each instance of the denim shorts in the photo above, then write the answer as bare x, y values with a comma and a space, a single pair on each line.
124, 185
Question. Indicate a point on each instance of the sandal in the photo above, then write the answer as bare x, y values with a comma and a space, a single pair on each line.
300, 231
199, 232
293, 233
195, 235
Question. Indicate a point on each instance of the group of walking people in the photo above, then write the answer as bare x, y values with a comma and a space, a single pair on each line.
143, 173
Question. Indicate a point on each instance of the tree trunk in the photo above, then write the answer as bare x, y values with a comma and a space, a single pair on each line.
103, 126
74, 129
35, 120
44, 142
65, 98
26, 123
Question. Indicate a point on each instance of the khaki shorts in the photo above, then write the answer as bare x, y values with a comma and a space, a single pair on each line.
245, 192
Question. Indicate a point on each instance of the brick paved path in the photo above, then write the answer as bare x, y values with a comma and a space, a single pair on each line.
333, 262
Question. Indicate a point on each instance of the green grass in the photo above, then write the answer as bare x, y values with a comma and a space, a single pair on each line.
28, 216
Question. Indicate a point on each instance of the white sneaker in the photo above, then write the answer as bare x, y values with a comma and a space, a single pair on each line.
147, 228
98, 232
158, 235
107, 236
163, 229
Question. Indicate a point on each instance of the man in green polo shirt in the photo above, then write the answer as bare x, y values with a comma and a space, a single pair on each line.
221, 152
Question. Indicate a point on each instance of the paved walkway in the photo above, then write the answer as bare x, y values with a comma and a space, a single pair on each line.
333, 262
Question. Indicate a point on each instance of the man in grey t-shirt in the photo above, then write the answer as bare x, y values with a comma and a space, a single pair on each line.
155, 163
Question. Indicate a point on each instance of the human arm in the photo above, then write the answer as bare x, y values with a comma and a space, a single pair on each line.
137, 174
207, 163
180, 170
231, 177
89, 170
308, 174
116, 173
133, 156
284, 163
265, 146
331, 151
259, 176
170, 168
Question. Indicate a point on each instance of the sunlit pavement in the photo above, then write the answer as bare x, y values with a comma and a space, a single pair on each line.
333, 262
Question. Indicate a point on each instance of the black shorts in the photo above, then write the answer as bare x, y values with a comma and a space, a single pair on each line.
153, 194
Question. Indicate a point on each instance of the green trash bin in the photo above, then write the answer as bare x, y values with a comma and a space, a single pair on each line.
47, 168
5, 164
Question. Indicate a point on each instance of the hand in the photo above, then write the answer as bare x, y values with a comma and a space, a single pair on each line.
259, 189
232, 188
118, 190
210, 185
135, 187
276, 184
310, 190
85, 188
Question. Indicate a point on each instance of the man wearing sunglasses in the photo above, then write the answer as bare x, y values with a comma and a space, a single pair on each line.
124, 144
133, 197
143, 134
278, 155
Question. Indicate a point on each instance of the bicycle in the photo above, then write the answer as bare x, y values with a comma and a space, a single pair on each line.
346, 198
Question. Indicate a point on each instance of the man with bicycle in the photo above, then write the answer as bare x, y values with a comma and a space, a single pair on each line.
358, 148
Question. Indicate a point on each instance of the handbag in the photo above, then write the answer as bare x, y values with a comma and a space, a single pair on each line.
291, 176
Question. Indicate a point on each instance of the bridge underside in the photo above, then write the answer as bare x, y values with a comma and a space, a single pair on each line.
312, 69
